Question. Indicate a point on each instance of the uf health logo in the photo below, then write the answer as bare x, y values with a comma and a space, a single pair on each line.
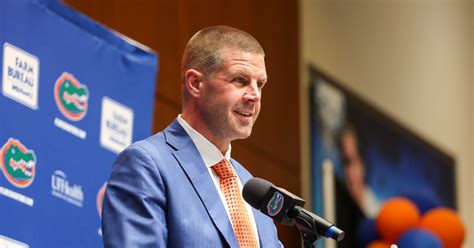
71, 97
18, 163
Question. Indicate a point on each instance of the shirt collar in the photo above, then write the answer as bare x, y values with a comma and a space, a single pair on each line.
208, 151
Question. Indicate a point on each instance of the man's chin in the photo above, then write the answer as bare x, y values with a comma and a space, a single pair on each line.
243, 134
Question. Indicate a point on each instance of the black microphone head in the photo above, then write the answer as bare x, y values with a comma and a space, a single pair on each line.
254, 191
286, 208
271, 200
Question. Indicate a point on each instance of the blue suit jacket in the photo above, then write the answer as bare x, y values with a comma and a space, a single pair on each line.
160, 194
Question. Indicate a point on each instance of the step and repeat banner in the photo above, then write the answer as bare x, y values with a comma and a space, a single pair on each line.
74, 94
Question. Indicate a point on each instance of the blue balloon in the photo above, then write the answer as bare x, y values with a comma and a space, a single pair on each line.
366, 232
419, 238
424, 199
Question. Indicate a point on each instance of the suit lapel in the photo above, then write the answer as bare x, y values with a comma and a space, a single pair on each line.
190, 160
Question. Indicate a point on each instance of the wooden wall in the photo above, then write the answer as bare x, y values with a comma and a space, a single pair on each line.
273, 150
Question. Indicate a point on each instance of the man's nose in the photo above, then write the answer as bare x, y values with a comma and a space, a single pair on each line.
253, 92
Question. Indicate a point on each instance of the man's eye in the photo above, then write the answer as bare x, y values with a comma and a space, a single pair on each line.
240, 80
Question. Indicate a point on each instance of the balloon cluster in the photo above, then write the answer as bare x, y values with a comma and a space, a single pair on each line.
410, 223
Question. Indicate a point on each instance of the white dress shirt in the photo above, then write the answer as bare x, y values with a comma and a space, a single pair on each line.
211, 156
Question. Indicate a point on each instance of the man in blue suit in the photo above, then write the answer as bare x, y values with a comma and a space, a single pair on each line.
163, 191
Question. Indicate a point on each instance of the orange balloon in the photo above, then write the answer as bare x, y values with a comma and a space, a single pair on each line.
396, 216
378, 244
446, 224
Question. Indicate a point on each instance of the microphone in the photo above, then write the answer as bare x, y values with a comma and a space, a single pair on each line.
287, 208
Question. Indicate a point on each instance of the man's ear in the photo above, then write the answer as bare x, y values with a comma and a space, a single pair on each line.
193, 80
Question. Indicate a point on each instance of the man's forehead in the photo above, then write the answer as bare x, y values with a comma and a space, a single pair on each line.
244, 58
239, 52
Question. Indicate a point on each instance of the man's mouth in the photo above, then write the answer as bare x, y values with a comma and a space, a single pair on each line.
244, 113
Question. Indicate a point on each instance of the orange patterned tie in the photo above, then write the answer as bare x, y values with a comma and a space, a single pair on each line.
235, 203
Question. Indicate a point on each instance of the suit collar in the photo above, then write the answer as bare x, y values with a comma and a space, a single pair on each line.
209, 152
176, 136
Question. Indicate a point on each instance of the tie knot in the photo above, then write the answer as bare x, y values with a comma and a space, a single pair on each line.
223, 169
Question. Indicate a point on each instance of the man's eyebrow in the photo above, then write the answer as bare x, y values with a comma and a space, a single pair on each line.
240, 71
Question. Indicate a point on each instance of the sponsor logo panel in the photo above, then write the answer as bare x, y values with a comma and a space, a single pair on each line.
116, 129
72, 100
70, 128
18, 164
61, 188
72, 97
20, 76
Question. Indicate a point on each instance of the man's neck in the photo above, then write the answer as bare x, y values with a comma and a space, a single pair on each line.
198, 126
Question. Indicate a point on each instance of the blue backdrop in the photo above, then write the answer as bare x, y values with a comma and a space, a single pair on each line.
74, 94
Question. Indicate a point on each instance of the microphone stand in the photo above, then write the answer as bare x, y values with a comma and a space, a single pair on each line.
307, 224
307, 228
309, 239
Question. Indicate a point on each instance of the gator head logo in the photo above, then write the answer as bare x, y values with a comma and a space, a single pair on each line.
275, 204
71, 97
100, 199
18, 163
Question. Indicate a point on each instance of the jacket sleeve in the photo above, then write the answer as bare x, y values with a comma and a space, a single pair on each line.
134, 205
